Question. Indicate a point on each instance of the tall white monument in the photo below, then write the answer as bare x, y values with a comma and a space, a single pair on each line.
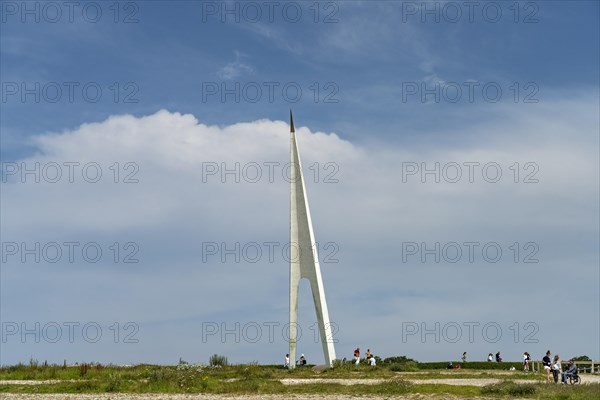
304, 260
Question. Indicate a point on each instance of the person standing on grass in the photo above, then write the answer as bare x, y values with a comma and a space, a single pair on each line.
498, 358
526, 359
368, 355
547, 365
357, 356
464, 357
302, 361
556, 368
490, 357
286, 361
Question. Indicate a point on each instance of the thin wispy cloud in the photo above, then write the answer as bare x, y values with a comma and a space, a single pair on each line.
235, 69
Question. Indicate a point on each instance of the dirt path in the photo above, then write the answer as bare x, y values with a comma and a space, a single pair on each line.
34, 383
457, 381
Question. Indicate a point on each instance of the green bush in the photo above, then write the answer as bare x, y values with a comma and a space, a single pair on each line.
407, 366
218, 361
161, 375
521, 390
397, 360
341, 365
33, 363
582, 358
509, 388
114, 382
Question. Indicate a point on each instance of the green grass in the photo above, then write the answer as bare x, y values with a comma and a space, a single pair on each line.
264, 379
261, 386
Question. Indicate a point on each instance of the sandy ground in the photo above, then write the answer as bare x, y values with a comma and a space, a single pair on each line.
33, 383
586, 379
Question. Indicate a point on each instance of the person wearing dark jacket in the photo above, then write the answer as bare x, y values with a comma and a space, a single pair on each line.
547, 362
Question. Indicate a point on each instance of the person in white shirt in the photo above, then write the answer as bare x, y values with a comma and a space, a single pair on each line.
556, 368
526, 359
286, 361
372, 361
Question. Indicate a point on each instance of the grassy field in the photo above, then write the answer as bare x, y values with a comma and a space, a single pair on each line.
264, 379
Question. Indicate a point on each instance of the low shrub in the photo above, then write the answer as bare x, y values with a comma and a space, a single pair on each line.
218, 361
407, 366
397, 360
509, 388
114, 382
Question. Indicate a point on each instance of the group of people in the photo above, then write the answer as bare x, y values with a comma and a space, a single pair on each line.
550, 364
302, 360
368, 356
554, 365
490, 357
299, 362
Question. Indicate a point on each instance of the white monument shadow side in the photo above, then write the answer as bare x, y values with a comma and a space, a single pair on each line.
304, 264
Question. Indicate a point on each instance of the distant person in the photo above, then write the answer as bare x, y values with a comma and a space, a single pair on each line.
569, 372
490, 357
302, 361
357, 356
464, 357
449, 366
556, 368
371, 361
286, 361
526, 360
498, 357
368, 355
547, 363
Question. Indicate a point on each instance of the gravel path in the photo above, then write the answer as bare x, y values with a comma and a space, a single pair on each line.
586, 379
34, 383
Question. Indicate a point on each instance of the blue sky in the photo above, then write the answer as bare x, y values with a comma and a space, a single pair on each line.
368, 67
